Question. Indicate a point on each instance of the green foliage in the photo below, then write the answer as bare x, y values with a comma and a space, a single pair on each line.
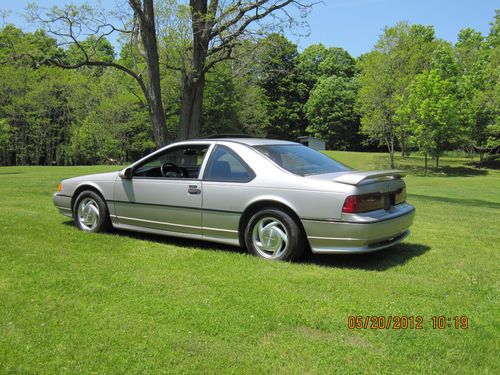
402, 52
318, 61
431, 110
412, 92
331, 113
96, 49
492, 71
6, 132
478, 62
281, 85
25, 48
220, 110
59, 116
469, 49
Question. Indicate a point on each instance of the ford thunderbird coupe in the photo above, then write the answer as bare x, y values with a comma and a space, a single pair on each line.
276, 198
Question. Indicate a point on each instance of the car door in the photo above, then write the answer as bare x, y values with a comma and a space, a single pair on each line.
164, 192
225, 190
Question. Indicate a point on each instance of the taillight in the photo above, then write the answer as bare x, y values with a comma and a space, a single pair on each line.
351, 204
400, 196
363, 203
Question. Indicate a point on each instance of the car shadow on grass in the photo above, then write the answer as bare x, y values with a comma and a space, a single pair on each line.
170, 240
380, 260
375, 261
180, 242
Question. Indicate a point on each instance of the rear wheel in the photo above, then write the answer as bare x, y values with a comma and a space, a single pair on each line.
91, 213
273, 234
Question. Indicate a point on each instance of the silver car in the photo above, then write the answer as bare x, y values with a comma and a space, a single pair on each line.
276, 198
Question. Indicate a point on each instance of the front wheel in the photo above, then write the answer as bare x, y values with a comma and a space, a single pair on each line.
273, 234
91, 213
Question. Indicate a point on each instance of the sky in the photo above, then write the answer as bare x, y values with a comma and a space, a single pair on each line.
354, 25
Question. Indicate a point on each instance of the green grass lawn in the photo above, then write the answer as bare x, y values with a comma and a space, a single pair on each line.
72, 302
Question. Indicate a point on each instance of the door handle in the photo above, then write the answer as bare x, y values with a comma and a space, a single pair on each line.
193, 189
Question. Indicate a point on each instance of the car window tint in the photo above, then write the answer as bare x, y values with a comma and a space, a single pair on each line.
225, 165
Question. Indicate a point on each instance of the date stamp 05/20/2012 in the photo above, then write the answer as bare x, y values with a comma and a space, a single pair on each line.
407, 322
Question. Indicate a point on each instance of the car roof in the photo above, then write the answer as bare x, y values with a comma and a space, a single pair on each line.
248, 141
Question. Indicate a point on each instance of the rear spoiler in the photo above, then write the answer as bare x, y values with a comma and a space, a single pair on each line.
355, 178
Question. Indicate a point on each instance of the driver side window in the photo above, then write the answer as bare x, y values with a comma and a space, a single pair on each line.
180, 162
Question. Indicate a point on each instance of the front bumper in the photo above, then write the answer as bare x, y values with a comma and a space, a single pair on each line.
63, 204
331, 237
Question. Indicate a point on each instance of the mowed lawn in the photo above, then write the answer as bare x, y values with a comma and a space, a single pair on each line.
120, 303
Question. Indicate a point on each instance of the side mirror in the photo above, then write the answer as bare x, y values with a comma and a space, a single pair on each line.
126, 173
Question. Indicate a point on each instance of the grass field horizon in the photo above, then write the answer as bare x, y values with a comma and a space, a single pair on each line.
122, 302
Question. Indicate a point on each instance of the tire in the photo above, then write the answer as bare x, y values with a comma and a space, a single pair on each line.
90, 212
274, 235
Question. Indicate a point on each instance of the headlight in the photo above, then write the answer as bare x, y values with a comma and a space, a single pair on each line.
59, 187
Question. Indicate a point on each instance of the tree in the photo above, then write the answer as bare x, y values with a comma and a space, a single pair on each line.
493, 92
330, 111
33, 103
280, 82
220, 112
58, 116
402, 52
471, 82
469, 50
84, 28
328, 91
5, 140
217, 28
375, 101
479, 60
319, 61
431, 108
112, 129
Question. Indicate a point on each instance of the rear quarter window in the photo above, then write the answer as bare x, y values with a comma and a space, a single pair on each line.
226, 165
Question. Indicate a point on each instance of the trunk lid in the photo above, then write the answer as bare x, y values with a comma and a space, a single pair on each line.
368, 191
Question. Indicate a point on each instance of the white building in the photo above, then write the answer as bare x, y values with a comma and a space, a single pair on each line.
313, 142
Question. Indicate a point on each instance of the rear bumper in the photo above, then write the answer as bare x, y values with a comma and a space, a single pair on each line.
63, 204
331, 237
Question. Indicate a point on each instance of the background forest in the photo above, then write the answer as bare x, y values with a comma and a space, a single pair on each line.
412, 93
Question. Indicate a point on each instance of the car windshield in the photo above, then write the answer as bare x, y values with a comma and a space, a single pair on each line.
300, 159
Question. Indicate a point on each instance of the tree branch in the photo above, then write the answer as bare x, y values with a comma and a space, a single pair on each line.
50, 61
213, 62
240, 16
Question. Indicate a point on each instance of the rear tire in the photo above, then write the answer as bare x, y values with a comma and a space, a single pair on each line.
273, 234
90, 212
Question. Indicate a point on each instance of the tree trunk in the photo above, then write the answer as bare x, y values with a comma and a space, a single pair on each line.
193, 81
391, 151
191, 106
157, 118
437, 161
153, 89
425, 165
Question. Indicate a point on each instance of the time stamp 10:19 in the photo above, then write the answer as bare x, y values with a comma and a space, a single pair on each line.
407, 322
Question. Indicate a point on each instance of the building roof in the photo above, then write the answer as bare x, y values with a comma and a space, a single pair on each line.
309, 137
